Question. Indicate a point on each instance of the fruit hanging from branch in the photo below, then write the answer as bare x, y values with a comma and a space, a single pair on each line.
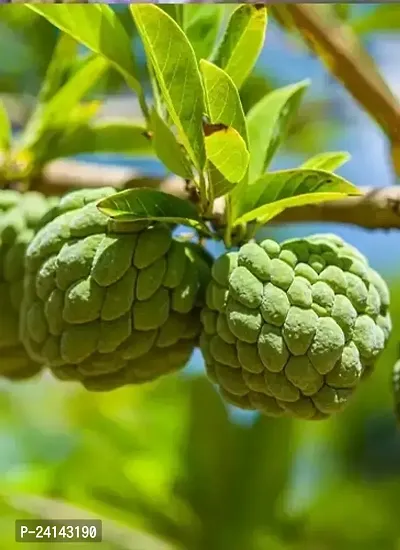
292, 329
100, 287
20, 217
108, 308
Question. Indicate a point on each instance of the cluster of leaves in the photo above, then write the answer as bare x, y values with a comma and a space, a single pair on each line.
195, 122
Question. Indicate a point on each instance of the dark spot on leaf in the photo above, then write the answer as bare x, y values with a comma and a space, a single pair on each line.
210, 129
147, 134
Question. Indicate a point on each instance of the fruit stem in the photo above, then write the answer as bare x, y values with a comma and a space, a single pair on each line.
203, 194
228, 222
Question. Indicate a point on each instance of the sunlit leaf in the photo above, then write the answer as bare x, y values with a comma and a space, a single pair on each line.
275, 191
167, 147
267, 124
227, 150
242, 41
97, 27
31, 32
145, 204
223, 107
119, 137
175, 11
65, 53
175, 67
201, 23
75, 89
327, 161
57, 110
5, 128
222, 98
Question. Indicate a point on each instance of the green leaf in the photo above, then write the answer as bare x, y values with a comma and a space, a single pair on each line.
222, 98
5, 128
145, 204
220, 185
99, 28
242, 41
201, 23
58, 108
327, 161
223, 107
168, 149
227, 150
274, 192
55, 140
268, 122
57, 111
385, 17
64, 55
28, 33
175, 67
105, 137
175, 11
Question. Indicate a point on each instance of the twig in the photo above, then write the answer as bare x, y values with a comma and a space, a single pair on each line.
377, 208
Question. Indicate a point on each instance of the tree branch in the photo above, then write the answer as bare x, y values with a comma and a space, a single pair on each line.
339, 48
377, 208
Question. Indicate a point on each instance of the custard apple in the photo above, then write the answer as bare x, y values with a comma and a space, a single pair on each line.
291, 329
110, 308
20, 216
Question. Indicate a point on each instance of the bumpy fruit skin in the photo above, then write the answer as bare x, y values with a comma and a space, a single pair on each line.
291, 329
20, 216
105, 308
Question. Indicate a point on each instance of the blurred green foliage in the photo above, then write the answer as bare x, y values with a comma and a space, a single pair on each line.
32, 41
167, 466
170, 460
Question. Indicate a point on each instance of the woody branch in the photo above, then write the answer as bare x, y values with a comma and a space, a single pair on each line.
376, 208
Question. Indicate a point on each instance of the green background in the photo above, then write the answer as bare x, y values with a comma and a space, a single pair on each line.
167, 465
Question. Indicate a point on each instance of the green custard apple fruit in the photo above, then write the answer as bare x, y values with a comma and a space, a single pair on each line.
110, 308
20, 216
292, 329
